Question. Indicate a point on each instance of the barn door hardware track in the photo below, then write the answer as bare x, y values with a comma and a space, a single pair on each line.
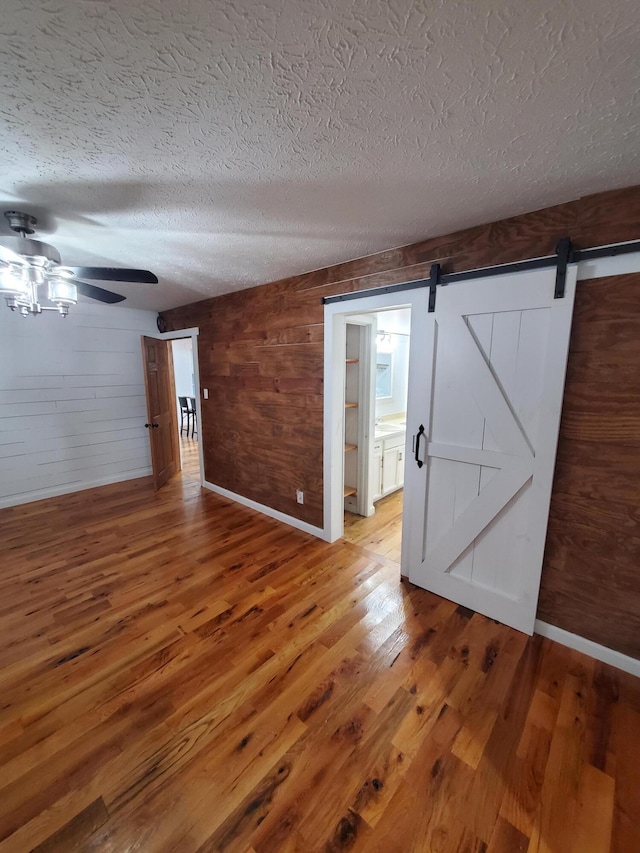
566, 254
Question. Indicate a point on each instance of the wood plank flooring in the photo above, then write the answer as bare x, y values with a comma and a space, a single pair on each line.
178, 673
381, 533
189, 458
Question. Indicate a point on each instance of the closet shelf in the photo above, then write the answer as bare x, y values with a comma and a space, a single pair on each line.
348, 447
353, 360
351, 405
349, 491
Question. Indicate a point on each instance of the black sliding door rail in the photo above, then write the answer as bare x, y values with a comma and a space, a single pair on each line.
566, 255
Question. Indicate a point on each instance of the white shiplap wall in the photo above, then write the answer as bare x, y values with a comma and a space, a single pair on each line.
72, 400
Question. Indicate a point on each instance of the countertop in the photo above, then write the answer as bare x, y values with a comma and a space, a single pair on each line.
389, 430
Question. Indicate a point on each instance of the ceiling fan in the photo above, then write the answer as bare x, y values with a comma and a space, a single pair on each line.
26, 265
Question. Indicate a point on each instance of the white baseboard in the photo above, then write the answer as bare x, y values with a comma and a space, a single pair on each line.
69, 488
594, 650
266, 510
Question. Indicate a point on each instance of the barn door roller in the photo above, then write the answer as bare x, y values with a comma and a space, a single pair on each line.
564, 251
434, 281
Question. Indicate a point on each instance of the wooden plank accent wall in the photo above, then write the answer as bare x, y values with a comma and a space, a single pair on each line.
261, 357
591, 577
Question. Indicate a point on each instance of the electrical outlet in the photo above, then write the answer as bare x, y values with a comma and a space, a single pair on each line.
300, 496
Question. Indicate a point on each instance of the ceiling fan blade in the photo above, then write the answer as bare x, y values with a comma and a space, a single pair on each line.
8, 256
98, 293
114, 274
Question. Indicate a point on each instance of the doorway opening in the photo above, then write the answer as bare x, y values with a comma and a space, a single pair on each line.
369, 353
170, 368
375, 426
186, 408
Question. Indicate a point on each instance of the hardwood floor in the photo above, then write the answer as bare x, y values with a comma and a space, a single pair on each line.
381, 533
189, 458
181, 673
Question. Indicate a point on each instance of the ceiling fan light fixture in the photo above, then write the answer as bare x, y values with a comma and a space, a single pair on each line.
12, 282
62, 292
26, 265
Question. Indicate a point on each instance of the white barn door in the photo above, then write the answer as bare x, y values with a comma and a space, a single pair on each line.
489, 397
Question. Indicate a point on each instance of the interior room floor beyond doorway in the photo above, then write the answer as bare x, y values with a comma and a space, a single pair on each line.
379, 534
190, 458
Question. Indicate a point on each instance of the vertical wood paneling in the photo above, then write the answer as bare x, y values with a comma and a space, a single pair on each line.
591, 580
72, 401
261, 358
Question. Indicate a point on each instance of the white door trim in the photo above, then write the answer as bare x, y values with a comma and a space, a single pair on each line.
335, 315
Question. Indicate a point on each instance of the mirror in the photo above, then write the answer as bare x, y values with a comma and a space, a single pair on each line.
384, 367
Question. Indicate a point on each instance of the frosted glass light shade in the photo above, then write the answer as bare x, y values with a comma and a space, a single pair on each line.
62, 292
12, 284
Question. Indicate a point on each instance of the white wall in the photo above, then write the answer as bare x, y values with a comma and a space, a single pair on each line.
183, 367
72, 400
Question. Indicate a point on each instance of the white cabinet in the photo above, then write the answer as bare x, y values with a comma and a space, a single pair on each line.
392, 472
400, 469
388, 465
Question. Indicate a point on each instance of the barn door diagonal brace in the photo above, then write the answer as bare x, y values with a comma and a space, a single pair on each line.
564, 251
434, 281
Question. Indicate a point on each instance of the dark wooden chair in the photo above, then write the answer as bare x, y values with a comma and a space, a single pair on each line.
185, 413
194, 415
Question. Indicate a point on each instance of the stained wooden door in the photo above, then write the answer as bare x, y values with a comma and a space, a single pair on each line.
161, 409
489, 399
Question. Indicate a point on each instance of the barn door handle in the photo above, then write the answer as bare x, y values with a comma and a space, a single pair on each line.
420, 432
152, 426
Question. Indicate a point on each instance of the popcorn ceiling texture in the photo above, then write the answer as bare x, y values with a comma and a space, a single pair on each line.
223, 145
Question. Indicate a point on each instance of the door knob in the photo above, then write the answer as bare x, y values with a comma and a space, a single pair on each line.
152, 426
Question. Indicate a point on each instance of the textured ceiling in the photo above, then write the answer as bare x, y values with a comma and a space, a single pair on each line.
223, 145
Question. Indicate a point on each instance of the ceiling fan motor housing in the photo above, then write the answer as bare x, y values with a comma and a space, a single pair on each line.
40, 254
22, 223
